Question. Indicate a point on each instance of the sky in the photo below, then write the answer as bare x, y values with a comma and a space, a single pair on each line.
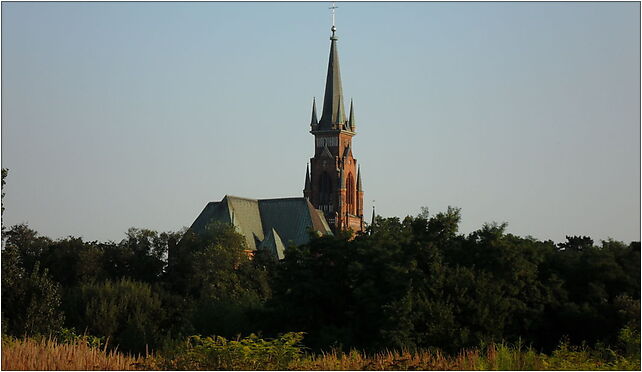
119, 115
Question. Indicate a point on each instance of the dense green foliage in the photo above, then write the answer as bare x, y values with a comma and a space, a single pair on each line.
418, 283
126, 312
405, 284
219, 353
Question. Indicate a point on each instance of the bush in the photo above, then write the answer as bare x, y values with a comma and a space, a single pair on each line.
126, 312
69, 336
219, 353
568, 357
31, 300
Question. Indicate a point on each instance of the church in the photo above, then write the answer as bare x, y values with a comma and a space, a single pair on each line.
332, 195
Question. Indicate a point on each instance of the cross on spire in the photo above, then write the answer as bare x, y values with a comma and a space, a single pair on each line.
332, 8
333, 113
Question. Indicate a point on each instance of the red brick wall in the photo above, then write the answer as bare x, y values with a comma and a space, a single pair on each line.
335, 203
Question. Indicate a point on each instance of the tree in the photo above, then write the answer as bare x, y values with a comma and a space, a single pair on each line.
223, 287
31, 300
126, 311
29, 245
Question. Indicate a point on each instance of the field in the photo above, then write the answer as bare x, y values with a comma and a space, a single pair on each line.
253, 353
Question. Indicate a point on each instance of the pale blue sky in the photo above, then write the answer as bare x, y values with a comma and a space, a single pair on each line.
137, 114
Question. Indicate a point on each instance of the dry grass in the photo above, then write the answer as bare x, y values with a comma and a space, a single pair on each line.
425, 360
46, 354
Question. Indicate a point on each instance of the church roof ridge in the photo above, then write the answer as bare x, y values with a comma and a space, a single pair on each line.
239, 197
251, 199
284, 198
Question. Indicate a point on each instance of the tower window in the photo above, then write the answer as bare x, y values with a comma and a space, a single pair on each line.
325, 188
350, 194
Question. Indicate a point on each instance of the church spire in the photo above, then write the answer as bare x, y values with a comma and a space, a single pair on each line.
333, 112
335, 181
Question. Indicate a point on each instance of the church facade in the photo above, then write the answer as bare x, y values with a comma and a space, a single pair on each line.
332, 197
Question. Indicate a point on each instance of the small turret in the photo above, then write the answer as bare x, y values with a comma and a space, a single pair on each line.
306, 189
373, 216
352, 124
359, 179
314, 122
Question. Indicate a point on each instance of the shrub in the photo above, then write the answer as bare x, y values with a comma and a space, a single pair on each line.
568, 357
127, 312
219, 353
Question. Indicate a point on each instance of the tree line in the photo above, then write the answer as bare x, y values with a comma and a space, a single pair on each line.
406, 283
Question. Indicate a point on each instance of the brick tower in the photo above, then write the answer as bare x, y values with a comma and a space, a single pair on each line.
333, 180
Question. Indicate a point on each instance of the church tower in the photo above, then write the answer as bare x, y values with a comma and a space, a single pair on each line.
333, 180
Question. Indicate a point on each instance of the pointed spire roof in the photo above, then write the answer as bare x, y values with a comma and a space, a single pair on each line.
352, 125
314, 120
359, 179
333, 111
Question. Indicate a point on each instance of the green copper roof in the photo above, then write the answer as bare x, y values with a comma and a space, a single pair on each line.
247, 219
274, 245
291, 218
333, 111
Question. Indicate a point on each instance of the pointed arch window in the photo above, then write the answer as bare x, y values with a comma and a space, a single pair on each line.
350, 197
325, 189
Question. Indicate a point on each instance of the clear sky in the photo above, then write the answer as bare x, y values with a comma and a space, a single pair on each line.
118, 115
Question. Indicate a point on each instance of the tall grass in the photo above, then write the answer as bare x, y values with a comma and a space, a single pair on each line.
498, 357
47, 354
285, 353
495, 357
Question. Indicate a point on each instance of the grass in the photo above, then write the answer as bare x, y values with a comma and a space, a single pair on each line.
283, 353
47, 354
496, 357
493, 358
